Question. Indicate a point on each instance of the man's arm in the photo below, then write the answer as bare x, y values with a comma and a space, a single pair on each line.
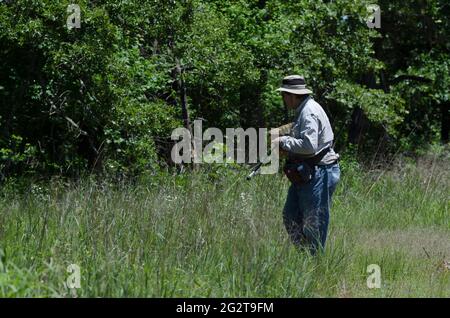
307, 144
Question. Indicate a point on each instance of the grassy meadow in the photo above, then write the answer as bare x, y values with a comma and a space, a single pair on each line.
203, 235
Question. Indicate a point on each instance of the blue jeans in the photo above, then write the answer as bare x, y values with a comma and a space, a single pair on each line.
307, 209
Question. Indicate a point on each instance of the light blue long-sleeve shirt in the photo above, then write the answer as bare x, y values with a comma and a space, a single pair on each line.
310, 133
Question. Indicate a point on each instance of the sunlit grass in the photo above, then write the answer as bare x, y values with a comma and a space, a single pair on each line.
199, 236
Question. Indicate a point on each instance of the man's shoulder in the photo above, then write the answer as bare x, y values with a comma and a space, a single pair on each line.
313, 104
311, 108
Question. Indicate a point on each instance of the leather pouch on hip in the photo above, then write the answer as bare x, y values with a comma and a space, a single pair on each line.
298, 173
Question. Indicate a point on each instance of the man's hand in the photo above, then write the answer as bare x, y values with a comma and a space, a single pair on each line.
276, 144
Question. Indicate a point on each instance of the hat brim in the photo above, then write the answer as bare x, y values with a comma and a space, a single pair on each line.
300, 91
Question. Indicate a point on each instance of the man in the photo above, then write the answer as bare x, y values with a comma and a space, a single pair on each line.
309, 150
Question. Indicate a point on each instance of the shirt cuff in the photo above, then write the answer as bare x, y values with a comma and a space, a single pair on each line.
283, 142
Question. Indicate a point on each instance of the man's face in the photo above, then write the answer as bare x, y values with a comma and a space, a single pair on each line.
291, 100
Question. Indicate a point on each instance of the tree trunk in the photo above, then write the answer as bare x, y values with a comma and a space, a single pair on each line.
259, 103
185, 108
445, 119
357, 126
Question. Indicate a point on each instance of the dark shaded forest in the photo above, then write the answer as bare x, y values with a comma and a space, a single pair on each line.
105, 97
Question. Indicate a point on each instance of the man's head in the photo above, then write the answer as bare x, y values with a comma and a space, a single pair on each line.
292, 100
293, 90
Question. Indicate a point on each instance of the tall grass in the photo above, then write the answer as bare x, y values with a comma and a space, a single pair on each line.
191, 235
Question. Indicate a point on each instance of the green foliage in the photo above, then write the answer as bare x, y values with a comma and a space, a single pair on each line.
424, 61
423, 123
105, 97
85, 85
16, 155
385, 109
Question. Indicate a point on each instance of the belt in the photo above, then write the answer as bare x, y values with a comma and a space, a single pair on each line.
312, 161
329, 164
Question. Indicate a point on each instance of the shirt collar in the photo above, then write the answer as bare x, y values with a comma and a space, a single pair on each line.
300, 107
